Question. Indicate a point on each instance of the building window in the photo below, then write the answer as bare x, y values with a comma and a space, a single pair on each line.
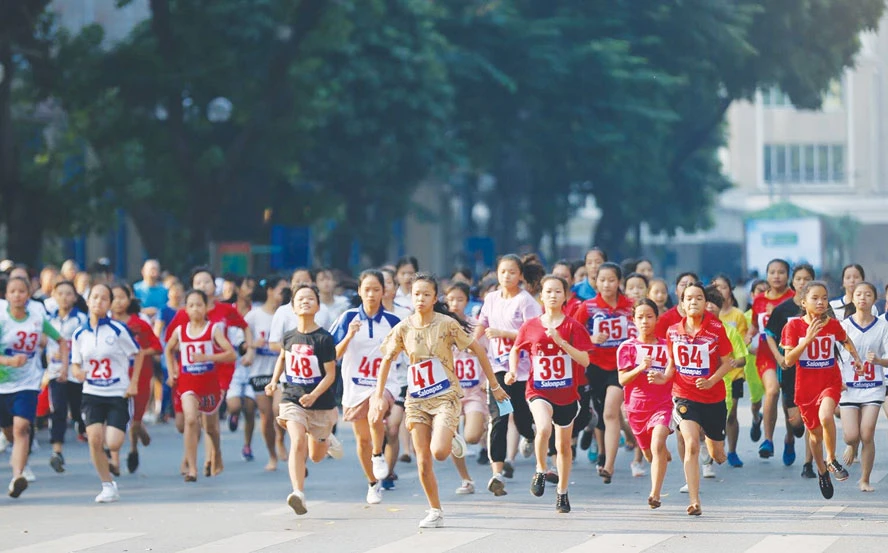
804, 164
773, 97
833, 97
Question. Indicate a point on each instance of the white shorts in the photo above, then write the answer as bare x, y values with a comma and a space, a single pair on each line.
240, 384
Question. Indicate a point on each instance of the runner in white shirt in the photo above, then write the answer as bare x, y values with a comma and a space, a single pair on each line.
336, 305
864, 393
401, 444
284, 318
102, 350
405, 272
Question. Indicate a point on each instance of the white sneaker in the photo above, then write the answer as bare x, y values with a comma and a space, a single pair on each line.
526, 447
374, 493
458, 446
109, 493
683, 489
380, 467
434, 519
334, 447
29, 474
705, 458
4, 443
466, 488
637, 469
296, 501
708, 471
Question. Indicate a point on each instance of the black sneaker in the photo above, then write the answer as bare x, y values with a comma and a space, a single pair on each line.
826, 487
538, 484
57, 462
586, 439
483, 459
798, 431
233, 419
508, 470
552, 476
132, 461
755, 432
808, 471
837, 469
562, 503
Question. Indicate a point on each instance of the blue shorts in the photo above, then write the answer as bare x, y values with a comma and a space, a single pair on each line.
18, 404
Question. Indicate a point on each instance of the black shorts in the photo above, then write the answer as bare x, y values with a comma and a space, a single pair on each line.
402, 396
599, 381
737, 389
562, 415
258, 383
112, 411
787, 386
859, 404
710, 416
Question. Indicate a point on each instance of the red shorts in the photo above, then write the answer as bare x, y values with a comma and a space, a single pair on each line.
224, 373
204, 387
143, 391
812, 387
43, 404
643, 423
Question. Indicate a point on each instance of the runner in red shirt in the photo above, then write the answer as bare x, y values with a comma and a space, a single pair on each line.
675, 313
778, 292
699, 357
809, 343
559, 350
608, 318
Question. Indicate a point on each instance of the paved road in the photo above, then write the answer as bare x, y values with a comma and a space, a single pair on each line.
761, 507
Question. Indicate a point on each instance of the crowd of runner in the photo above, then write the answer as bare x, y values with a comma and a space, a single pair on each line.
587, 355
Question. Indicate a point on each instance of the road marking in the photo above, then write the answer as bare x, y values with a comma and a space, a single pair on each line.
430, 541
246, 542
828, 511
77, 542
877, 476
281, 511
620, 542
808, 544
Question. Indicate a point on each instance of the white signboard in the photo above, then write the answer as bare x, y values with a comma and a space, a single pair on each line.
795, 240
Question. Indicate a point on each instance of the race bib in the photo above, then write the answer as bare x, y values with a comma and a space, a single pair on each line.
501, 349
762, 323
691, 359
819, 354
427, 379
616, 328
187, 353
466, 369
552, 372
657, 353
368, 371
301, 366
871, 377
99, 373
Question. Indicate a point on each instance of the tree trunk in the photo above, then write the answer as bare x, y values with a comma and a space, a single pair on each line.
610, 234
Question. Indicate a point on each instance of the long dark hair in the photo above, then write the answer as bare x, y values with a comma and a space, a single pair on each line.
135, 305
441, 307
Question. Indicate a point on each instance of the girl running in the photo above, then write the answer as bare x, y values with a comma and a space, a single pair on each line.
558, 347
659, 294
201, 344
65, 391
405, 271
21, 330
125, 309
676, 313
102, 352
358, 335
636, 286
648, 404
778, 292
502, 314
843, 306
810, 342
586, 290
308, 408
607, 317
699, 358
864, 393
433, 398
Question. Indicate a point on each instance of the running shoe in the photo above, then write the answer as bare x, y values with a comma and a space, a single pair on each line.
132, 461
755, 431
4, 443
637, 469
466, 488
508, 469
592, 454
388, 483
434, 519
526, 447
837, 469
247, 453
483, 459
705, 457
296, 501
233, 420
29, 474
734, 460
789, 455
562, 503
496, 485
826, 487
380, 467
404, 458
17, 486
552, 476
334, 447
81, 437
57, 462
538, 484
109, 493
586, 439
683, 489
808, 471
458, 446
708, 471
766, 450
798, 431
374, 493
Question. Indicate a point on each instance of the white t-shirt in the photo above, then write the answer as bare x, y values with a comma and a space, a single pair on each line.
284, 319
22, 337
869, 386
260, 324
104, 353
66, 328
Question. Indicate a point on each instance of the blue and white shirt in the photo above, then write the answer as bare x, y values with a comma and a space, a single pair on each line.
104, 353
65, 327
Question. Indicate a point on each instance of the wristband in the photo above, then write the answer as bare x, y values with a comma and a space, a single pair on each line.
498, 387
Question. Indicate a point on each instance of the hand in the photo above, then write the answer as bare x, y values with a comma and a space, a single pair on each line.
307, 400
858, 366
79, 374
132, 390
599, 338
18, 360
553, 334
63, 376
781, 360
645, 363
813, 329
353, 328
248, 357
200, 357
171, 379
500, 394
870, 357
270, 388
510, 378
492, 333
377, 408
656, 377
704, 384
259, 343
